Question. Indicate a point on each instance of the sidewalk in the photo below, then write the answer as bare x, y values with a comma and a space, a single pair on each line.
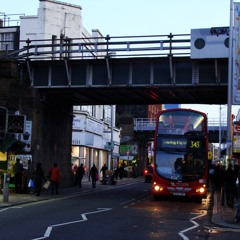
18, 199
222, 216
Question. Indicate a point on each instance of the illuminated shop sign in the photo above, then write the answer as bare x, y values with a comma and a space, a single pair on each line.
179, 143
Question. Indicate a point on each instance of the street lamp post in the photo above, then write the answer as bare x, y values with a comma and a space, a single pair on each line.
229, 104
112, 144
220, 133
230, 83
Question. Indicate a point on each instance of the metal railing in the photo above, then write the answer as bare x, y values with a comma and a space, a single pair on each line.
7, 20
148, 124
103, 47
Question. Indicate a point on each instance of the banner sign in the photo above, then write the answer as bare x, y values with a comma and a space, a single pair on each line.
236, 55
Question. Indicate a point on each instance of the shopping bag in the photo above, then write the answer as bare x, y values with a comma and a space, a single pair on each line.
30, 183
46, 184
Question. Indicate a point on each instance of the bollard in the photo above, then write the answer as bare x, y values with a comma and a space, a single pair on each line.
6, 180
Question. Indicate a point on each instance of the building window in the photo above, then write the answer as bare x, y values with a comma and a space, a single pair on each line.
6, 41
88, 109
107, 113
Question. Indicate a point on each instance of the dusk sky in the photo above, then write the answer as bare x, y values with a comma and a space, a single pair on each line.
152, 17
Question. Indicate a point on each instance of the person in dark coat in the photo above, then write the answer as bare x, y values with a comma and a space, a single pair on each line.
116, 172
80, 174
217, 177
103, 170
121, 172
30, 173
238, 187
94, 175
18, 175
230, 185
237, 218
39, 177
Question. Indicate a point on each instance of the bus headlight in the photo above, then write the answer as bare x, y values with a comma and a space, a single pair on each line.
200, 190
157, 188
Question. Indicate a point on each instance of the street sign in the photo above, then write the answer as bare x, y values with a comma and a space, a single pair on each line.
16, 123
237, 128
27, 135
236, 144
109, 146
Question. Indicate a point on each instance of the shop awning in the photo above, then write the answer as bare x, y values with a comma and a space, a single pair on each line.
10, 143
6, 143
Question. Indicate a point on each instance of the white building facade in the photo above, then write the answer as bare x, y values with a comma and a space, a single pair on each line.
95, 139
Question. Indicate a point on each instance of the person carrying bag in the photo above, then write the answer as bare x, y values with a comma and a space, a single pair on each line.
54, 177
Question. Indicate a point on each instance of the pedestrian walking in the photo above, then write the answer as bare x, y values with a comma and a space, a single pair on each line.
103, 170
18, 175
74, 171
237, 218
238, 187
80, 174
94, 175
54, 177
39, 178
218, 176
230, 185
116, 172
211, 176
121, 171
30, 173
236, 172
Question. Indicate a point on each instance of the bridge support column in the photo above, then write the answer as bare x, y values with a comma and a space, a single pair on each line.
52, 137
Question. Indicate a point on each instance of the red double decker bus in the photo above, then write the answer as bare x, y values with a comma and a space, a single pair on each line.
180, 154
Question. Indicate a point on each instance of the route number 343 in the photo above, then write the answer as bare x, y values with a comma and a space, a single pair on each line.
194, 144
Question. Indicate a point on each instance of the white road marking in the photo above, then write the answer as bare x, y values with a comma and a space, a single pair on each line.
4, 209
181, 233
84, 218
131, 200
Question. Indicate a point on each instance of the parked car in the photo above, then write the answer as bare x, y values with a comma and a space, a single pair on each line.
148, 173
